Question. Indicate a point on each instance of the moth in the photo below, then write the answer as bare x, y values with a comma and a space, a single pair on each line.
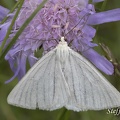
64, 78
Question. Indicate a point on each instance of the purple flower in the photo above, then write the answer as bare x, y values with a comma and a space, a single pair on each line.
3, 27
3, 30
97, 1
69, 18
3, 12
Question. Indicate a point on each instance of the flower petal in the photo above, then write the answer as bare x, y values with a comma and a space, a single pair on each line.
103, 17
15, 75
95, 1
99, 61
3, 12
22, 65
32, 60
3, 30
90, 31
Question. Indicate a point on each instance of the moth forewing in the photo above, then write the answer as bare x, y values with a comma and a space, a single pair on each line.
64, 78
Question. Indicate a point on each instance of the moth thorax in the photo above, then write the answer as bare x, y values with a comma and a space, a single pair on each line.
62, 53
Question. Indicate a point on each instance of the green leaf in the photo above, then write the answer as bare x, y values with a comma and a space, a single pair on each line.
7, 3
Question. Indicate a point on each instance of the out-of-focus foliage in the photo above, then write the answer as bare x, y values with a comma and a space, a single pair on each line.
7, 3
108, 33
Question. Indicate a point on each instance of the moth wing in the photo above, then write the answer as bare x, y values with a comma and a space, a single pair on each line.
42, 87
89, 89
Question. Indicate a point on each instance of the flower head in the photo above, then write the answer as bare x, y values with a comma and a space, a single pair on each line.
69, 18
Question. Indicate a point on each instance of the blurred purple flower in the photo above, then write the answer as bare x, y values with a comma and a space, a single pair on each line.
58, 18
3, 27
97, 1
3, 12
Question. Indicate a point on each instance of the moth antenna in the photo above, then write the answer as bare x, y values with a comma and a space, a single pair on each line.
50, 32
76, 26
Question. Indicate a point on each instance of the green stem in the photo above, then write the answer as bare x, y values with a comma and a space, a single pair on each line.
104, 5
61, 114
11, 26
64, 115
21, 29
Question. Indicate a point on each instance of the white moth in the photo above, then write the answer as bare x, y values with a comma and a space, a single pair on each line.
64, 78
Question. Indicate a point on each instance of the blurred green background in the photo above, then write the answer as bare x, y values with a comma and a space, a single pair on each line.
108, 33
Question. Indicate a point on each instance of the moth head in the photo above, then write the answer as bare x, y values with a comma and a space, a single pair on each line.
62, 39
